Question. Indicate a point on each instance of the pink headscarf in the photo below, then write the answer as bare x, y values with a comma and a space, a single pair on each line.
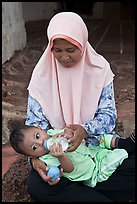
69, 95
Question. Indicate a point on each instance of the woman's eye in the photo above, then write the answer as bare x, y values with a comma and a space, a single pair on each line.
56, 50
71, 50
37, 136
34, 147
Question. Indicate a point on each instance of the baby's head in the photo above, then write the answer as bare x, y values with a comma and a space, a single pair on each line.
28, 140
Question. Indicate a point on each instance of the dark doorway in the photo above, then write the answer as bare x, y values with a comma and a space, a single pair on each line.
80, 7
127, 9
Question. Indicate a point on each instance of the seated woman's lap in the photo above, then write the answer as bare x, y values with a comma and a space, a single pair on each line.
64, 191
121, 185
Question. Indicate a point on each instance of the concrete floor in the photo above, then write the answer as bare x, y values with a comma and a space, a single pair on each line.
115, 40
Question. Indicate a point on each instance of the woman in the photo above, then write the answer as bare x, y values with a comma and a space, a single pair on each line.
72, 86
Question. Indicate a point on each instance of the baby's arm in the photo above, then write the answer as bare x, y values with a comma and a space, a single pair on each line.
65, 162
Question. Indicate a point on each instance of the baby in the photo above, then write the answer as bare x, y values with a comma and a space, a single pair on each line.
90, 164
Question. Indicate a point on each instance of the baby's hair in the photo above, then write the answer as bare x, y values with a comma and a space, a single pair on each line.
17, 136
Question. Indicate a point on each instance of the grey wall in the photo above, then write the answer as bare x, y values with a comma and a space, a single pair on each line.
13, 29
33, 11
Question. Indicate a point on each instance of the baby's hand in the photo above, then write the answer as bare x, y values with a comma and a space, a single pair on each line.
56, 150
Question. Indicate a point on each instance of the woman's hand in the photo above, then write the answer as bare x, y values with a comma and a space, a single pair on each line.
68, 133
42, 169
79, 133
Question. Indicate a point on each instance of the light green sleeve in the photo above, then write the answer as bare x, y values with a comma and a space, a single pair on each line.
52, 132
50, 160
105, 141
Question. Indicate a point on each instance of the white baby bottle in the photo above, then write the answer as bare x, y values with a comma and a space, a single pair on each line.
62, 140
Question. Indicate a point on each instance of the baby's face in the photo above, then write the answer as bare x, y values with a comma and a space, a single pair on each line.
33, 143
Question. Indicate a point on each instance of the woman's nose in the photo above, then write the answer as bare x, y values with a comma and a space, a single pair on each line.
64, 56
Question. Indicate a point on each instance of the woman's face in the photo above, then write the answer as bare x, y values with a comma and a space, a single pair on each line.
66, 53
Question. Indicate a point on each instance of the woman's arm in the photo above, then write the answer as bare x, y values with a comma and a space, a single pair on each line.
35, 115
36, 118
105, 116
103, 121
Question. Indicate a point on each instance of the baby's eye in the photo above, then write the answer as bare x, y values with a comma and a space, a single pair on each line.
37, 135
34, 147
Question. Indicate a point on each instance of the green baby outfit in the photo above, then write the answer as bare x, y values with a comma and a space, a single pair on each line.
92, 164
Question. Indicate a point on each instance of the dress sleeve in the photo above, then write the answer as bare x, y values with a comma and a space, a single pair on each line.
35, 116
105, 116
